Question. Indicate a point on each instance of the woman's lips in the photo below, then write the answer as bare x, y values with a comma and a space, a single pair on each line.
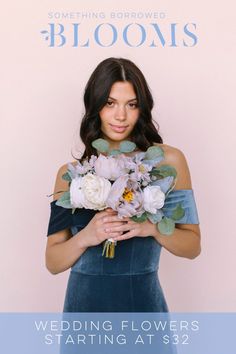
118, 128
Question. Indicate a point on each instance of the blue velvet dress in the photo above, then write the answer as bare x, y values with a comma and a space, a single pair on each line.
129, 281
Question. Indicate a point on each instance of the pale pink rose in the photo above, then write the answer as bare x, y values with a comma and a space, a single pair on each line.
110, 167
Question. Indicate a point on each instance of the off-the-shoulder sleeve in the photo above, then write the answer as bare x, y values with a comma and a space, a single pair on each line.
185, 197
60, 219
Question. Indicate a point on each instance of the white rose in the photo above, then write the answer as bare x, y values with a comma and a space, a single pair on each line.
153, 198
109, 167
89, 192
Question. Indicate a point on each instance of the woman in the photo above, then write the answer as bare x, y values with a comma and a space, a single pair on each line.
118, 106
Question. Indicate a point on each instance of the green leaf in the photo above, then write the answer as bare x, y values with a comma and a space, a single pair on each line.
166, 226
140, 219
164, 171
155, 218
178, 212
127, 146
67, 177
64, 200
101, 145
114, 152
154, 152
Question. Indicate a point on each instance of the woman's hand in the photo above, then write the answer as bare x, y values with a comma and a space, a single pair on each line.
133, 229
99, 228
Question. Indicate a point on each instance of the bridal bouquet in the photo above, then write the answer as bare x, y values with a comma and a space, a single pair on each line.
135, 186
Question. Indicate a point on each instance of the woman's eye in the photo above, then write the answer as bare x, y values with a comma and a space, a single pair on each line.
133, 105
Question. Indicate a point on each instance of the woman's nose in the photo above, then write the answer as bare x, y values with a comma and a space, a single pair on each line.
121, 113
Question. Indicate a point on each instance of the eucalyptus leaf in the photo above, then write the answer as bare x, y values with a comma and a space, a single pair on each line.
140, 219
71, 169
153, 152
64, 200
166, 226
114, 152
101, 145
178, 212
67, 177
127, 146
163, 183
164, 171
72, 174
156, 175
155, 218
155, 161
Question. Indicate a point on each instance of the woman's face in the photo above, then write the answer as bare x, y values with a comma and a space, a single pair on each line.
120, 113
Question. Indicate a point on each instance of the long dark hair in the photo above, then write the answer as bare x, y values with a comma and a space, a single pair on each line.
96, 94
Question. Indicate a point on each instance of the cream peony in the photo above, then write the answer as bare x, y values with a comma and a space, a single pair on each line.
153, 198
110, 167
90, 192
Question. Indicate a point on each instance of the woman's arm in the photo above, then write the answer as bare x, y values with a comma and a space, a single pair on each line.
63, 250
185, 240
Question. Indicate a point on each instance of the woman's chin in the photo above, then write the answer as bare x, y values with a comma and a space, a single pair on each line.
118, 137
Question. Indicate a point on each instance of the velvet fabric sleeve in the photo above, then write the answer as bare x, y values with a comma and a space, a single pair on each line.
62, 218
184, 197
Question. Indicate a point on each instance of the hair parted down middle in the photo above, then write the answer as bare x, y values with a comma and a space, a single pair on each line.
96, 94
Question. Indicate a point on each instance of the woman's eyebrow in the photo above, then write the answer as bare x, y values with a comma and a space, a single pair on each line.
132, 99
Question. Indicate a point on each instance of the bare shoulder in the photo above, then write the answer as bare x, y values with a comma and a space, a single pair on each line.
171, 153
176, 158
61, 185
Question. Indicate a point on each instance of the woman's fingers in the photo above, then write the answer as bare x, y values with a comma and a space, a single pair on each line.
125, 226
102, 214
120, 228
110, 209
113, 218
125, 236
110, 225
114, 234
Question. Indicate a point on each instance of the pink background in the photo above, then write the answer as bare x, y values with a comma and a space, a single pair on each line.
41, 108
